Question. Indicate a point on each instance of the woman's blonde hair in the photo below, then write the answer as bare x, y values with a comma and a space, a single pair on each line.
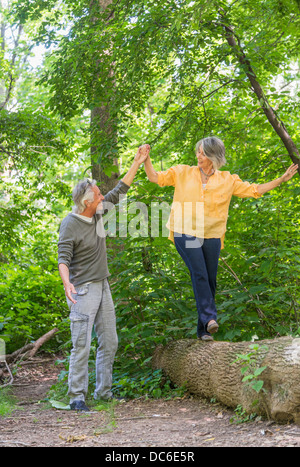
213, 149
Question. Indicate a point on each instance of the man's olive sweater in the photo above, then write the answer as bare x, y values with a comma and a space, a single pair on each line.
82, 244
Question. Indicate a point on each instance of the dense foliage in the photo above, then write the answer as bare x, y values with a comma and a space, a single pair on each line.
168, 77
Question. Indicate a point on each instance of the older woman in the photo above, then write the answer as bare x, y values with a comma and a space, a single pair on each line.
198, 218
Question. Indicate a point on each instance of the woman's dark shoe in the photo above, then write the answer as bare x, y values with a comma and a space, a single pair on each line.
212, 326
206, 338
79, 406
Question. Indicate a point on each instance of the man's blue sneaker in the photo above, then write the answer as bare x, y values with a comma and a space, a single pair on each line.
79, 406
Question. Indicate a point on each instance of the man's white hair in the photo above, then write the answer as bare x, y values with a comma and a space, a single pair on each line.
83, 191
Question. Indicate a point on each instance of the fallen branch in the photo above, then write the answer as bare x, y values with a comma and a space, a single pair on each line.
41, 341
27, 351
10, 375
30, 350
13, 356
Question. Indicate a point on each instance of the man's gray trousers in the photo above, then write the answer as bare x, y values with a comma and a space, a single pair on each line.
94, 307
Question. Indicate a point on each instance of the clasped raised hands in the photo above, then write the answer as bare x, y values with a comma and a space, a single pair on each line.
142, 153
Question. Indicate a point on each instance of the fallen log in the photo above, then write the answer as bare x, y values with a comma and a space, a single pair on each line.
214, 370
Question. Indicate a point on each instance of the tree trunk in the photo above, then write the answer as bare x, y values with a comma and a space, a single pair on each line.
100, 125
102, 129
211, 370
277, 125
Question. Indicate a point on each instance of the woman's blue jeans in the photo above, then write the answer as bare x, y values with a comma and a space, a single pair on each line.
201, 257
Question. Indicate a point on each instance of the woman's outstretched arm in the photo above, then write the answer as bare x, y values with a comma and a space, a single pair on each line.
274, 183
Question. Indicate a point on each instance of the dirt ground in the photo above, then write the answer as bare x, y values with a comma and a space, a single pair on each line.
177, 423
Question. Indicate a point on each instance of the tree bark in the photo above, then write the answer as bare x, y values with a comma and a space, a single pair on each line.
99, 124
210, 370
277, 125
102, 129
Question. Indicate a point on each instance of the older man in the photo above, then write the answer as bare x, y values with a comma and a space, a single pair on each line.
84, 271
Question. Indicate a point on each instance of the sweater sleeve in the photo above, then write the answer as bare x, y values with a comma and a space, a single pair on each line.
113, 196
66, 243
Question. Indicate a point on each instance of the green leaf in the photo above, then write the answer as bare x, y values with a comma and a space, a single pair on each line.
257, 385
258, 371
59, 405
